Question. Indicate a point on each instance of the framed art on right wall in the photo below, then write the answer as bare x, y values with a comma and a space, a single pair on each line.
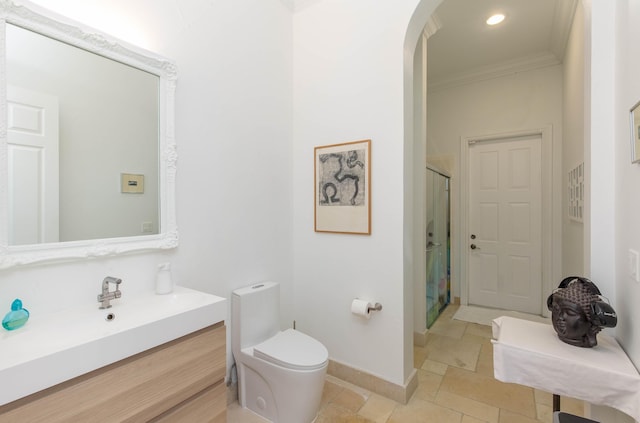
576, 193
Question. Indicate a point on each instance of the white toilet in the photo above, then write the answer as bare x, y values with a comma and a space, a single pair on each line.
280, 373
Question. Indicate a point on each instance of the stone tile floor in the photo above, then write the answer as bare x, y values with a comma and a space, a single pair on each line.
456, 385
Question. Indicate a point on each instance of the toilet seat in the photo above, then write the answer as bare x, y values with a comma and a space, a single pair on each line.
294, 350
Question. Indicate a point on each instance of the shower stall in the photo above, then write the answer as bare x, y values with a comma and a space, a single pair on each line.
438, 244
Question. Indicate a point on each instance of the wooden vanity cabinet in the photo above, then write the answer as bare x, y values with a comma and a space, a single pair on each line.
180, 381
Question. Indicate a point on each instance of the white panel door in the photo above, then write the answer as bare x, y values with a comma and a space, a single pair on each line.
33, 156
505, 218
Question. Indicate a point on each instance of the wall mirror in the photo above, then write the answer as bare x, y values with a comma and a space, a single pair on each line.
87, 146
635, 133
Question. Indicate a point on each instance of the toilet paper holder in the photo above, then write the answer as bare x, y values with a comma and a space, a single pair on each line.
363, 308
376, 307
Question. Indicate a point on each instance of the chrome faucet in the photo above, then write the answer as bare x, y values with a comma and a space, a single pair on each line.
107, 296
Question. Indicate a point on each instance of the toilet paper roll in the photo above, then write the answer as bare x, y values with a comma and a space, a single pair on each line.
361, 308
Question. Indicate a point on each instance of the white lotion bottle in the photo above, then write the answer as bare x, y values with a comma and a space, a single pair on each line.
164, 283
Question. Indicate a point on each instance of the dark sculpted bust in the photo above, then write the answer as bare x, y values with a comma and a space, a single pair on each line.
578, 312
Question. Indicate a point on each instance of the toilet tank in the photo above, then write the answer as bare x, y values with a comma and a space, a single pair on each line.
255, 314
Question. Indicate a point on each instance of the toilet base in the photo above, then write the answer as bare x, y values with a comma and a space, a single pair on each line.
280, 395
256, 395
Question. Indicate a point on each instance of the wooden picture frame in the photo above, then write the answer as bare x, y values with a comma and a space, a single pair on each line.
342, 187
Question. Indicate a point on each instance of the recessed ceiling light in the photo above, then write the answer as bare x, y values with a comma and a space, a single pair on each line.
495, 19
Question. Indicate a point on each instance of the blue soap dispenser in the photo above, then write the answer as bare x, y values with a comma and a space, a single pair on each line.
17, 317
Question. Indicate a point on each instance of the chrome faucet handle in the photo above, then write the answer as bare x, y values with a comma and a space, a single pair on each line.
117, 293
111, 279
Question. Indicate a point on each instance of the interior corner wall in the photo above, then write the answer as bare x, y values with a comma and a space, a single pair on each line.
573, 141
348, 86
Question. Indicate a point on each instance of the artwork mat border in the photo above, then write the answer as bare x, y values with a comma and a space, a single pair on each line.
336, 224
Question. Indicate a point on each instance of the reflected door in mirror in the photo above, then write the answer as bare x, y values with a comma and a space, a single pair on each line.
32, 136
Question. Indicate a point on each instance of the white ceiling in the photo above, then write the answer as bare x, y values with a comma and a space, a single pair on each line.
462, 47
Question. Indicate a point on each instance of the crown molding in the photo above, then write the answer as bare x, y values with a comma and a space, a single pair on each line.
494, 71
433, 25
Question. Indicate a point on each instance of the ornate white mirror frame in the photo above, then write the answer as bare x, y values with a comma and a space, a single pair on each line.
39, 20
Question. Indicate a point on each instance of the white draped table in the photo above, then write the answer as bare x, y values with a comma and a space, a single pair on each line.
530, 354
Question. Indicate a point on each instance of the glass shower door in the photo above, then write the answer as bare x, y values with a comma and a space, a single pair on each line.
437, 248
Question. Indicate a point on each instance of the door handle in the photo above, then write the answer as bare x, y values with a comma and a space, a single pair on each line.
474, 247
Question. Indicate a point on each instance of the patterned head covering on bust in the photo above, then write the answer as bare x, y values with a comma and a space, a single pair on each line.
579, 294
571, 314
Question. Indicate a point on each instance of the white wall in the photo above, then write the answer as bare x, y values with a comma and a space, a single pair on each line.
516, 102
233, 129
599, 238
348, 79
611, 34
419, 189
626, 177
573, 140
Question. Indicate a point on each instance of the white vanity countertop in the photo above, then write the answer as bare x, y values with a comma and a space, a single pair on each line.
50, 349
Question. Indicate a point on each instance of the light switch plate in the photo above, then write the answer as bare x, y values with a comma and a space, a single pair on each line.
634, 265
131, 183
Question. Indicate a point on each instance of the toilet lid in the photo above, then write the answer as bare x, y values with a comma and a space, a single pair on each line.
294, 350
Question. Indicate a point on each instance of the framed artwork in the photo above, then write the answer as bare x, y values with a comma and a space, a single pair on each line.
576, 193
343, 188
